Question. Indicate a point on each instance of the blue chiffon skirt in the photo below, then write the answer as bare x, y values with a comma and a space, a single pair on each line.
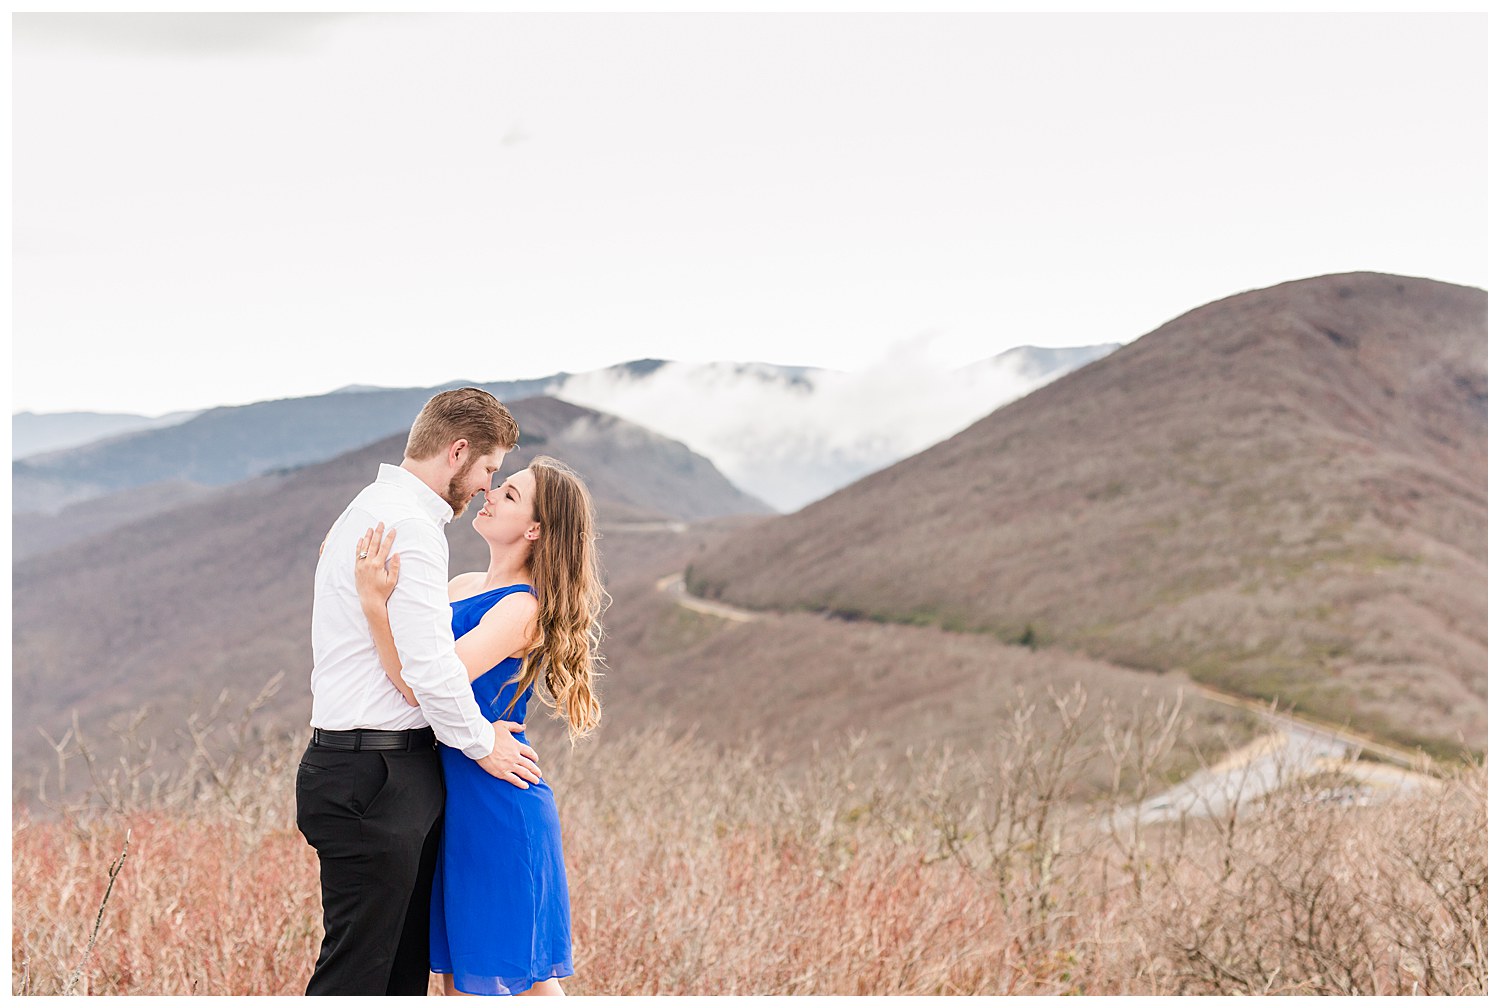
500, 916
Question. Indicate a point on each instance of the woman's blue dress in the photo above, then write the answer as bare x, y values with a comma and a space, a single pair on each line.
500, 919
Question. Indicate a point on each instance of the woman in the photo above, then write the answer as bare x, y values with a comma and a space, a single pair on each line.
500, 919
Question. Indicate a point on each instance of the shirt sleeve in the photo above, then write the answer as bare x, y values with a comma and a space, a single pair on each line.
422, 623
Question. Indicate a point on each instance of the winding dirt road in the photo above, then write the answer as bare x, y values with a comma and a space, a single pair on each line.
1295, 748
675, 586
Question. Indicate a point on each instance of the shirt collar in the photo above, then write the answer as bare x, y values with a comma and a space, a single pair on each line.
429, 501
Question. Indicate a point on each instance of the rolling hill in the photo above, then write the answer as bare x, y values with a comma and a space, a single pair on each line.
33, 533
1282, 493
216, 592
673, 482
39, 433
225, 445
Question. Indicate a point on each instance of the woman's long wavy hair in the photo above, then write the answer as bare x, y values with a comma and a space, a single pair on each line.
570, 599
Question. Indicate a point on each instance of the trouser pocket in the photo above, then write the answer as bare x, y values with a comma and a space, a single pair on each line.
370, 778
335, 786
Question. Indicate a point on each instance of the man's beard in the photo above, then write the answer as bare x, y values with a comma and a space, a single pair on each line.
456, 498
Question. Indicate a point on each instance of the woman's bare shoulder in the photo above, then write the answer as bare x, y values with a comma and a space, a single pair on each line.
516, 610
515, 605
514, 619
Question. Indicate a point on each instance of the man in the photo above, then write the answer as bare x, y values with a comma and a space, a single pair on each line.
369, 788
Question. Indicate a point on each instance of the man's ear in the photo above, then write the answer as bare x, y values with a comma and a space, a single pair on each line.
456, 451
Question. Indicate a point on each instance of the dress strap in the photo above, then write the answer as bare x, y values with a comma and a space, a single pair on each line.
512, 589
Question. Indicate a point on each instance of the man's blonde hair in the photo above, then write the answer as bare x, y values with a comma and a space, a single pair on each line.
469, 413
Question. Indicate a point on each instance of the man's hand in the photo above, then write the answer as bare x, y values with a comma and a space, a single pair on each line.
511, 760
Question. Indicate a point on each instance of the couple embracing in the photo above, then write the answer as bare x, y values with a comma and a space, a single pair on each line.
437, 836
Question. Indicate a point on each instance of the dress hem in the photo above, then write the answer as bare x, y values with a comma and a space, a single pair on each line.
509, 988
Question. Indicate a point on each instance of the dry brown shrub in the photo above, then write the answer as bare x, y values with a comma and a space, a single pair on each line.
1297, 896
694, 871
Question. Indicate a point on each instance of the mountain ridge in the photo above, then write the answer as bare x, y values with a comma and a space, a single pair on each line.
215, 593
1247, 493
40, 433
792, 433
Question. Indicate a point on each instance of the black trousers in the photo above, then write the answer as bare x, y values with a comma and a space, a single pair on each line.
375, 818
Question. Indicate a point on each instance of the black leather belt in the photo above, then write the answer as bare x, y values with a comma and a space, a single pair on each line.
360, 739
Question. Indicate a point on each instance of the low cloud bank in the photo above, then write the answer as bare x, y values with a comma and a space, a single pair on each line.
792, 435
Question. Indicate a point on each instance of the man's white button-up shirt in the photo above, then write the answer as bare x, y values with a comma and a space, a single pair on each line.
350, 688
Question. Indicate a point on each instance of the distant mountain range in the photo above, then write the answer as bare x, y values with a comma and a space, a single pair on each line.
785, 435
1282, 493
672, 482
38, 433
228, 444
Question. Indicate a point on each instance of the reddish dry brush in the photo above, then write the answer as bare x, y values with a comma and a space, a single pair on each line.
1312, 899
694, 871
200, 908
748, 913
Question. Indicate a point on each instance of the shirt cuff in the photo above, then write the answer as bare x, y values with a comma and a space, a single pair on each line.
482, 747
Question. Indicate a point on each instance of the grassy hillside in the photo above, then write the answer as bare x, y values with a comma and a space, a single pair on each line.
1282, 494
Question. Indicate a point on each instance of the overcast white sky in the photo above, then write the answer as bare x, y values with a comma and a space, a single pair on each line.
222, 208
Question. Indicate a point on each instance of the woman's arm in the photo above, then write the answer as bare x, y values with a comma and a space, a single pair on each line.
506, 631
376, 580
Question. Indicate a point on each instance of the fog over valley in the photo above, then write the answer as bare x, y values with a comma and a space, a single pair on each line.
792, 435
